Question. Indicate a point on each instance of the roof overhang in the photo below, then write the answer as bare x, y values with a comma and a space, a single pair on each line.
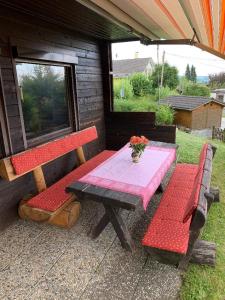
194, 22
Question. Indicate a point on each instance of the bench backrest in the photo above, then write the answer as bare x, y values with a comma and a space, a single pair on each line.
32, 159
197, 205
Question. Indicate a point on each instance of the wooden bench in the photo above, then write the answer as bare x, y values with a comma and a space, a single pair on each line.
52, 204
172, 235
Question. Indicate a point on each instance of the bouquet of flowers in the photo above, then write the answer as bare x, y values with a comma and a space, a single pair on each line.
137, 144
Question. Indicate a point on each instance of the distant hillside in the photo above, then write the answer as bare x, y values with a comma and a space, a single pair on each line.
202, 79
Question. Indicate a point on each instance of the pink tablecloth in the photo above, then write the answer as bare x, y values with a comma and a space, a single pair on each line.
143, 178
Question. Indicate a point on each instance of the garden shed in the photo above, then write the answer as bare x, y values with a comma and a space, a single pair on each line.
195, 112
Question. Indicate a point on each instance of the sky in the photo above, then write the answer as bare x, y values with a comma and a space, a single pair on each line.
176, 55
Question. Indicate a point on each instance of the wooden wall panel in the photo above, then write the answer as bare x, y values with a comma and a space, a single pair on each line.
207, 116
89, 90
120, 126
183, 118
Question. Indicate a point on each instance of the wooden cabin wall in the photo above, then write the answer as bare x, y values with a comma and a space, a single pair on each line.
207, 116
120, 126
183, 118
28, 32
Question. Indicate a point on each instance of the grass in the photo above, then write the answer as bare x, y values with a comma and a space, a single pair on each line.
202, 282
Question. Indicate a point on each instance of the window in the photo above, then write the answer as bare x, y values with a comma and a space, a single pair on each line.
45, 97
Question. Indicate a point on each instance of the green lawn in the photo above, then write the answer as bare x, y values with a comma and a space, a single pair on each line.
201, 282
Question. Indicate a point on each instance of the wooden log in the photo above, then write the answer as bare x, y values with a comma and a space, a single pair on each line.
204, 253
27, 212
39, 179
39, 215
216, 193
67, 217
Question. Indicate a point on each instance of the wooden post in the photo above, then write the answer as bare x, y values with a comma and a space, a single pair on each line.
39, 179
80, 155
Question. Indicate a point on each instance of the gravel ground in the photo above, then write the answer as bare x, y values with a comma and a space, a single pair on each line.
39, 261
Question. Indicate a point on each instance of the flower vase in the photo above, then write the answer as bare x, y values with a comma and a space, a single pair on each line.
135, 156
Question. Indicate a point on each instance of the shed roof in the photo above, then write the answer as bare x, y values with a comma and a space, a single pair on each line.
126, 67
188, 102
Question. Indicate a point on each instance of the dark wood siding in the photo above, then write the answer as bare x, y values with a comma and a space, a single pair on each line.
120, 126
88, 87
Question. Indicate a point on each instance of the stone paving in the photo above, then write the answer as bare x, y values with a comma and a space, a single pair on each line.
39, 261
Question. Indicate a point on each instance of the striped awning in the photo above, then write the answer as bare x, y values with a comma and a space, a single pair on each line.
200, 22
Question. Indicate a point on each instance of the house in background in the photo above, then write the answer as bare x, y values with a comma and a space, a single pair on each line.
195, 112
218, 94
125, 67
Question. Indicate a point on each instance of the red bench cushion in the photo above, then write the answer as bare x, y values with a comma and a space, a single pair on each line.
30, 159
54, 196
167, 230
193, 201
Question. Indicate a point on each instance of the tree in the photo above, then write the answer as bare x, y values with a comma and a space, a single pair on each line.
188, 72
195, 89
193, 75
217, 80
142, 85
170, 76
44, 103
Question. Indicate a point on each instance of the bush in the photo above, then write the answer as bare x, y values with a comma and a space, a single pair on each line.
165, 92
170, 76
122, 89
141, 84
164, 114
123, 105
196, 89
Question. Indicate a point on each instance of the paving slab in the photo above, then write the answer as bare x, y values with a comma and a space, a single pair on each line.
40, 261
72, 272
15, 239
118, 273
158, 282
19, 277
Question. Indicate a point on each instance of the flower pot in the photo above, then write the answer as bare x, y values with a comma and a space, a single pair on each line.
135, 157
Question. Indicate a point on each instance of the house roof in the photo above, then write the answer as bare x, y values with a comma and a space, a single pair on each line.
126, 67
188, 102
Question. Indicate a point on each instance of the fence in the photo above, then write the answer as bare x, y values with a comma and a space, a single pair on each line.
218, 134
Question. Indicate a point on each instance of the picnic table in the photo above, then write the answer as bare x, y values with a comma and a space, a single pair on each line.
118, 183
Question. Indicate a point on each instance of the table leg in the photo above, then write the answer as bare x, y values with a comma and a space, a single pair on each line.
113, 216
120, 227
100, 226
